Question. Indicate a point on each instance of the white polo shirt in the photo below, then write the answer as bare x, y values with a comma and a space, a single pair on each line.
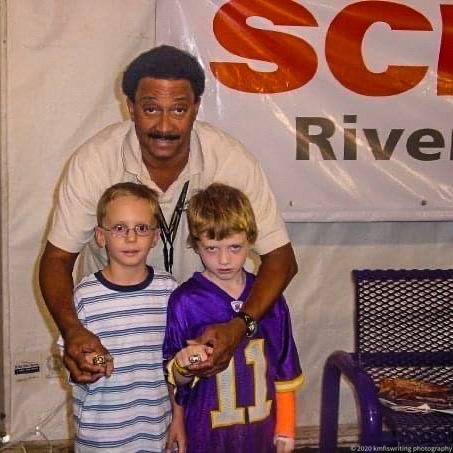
113, 155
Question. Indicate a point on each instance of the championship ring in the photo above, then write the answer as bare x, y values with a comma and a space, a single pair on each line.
98, 360
195, 358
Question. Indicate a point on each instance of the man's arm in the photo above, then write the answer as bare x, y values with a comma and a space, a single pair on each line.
276, 270
56, 283
274, 274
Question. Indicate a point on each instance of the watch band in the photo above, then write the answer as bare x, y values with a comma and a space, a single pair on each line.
250, 323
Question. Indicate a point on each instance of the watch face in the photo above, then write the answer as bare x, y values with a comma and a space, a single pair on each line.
251, 328
250, 324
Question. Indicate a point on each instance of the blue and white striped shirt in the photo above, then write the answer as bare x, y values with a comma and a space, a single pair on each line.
129, 411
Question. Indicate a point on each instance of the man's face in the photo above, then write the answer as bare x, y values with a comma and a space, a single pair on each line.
164, 112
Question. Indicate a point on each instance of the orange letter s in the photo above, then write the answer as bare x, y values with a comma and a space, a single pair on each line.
296, 60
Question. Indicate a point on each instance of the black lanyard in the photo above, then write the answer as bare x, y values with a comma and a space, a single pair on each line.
168, 233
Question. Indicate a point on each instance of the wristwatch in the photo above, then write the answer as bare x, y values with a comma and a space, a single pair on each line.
250, 324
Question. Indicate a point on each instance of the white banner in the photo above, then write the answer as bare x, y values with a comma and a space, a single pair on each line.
61, 65
347, 104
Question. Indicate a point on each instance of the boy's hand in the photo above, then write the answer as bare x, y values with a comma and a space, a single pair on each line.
284, 445
176, 432
193, 354
78, 344
224, 339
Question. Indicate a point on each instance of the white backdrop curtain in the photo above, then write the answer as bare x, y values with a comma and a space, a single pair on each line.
61, 65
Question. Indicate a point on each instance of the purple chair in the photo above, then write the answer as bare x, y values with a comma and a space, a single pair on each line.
403, 328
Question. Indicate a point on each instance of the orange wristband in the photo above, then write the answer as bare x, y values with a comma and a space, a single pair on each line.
286, 414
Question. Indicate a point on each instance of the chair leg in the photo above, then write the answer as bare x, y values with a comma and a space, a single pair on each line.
370, 413
330, 400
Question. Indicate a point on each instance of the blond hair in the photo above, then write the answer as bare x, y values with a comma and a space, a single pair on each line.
220, 211
130, 189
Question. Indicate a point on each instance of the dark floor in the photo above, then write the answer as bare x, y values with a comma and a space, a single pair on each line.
29, 448
315, 450
66, 447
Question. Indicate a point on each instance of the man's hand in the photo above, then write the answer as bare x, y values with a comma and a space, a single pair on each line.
55, 280
224, 338
80, 343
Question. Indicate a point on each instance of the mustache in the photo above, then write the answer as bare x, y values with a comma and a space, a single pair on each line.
163, 136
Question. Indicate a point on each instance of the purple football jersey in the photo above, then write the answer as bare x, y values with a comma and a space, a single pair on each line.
233, 411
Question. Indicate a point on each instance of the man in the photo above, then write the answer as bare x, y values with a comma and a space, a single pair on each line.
166, 149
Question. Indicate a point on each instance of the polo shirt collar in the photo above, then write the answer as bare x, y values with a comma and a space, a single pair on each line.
132, 156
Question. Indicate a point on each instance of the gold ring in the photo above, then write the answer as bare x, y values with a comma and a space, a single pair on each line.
195, 358
98, 360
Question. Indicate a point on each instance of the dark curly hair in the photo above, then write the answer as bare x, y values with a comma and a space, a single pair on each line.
164, 62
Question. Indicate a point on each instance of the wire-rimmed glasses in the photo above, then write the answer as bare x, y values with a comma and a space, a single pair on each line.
121, 230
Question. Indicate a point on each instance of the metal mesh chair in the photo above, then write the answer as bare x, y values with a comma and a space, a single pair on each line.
404, 328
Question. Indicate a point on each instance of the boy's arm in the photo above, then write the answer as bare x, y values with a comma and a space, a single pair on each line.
177, 374
176, 432
276, 270
178, 366
285, 421
56, 283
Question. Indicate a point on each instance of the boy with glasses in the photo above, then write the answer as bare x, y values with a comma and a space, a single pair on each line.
125, 304
250, 406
